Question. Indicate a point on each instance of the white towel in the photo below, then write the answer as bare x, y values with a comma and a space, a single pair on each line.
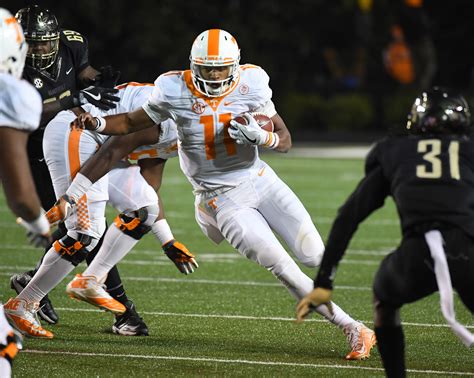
434, 239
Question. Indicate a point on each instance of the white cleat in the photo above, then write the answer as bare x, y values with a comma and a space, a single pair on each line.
362, 340
22, 316
87, 289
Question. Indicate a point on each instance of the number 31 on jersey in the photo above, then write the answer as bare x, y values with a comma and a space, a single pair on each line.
431, 149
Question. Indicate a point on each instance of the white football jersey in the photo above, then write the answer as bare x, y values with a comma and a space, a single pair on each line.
20, 104
209, 157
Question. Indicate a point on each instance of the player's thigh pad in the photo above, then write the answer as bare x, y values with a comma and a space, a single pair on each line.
89, 218
406, 275
287, 216
206, 221
129, 191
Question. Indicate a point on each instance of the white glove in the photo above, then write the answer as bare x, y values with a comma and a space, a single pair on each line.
37, 231
248, 134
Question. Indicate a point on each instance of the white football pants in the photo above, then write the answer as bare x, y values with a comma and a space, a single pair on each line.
246, 216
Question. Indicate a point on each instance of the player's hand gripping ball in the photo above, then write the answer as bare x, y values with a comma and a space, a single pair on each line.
264, 121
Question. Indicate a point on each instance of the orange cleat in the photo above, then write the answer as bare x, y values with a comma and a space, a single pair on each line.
361, 340
87, 289
22, 316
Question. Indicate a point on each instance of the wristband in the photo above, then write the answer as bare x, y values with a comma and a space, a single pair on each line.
100, 124
273, 141
79, 187
162, 231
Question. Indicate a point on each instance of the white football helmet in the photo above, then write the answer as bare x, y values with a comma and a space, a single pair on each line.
13, 47
214, 48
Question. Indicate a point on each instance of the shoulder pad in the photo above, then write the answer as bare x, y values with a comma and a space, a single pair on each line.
171, 83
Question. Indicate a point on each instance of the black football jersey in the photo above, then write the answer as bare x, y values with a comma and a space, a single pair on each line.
59, 80
431, 179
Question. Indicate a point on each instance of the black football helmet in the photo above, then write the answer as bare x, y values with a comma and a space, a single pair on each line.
439, 111
41, 31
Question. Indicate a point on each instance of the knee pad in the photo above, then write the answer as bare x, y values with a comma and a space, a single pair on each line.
138, 225
74, 250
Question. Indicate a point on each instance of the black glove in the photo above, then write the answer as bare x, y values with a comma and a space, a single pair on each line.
103, 98
107, 77
182, 258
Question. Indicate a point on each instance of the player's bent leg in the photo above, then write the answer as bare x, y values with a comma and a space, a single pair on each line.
390, 337
287, 216
248, 232
19, 281
119, 240
81, 287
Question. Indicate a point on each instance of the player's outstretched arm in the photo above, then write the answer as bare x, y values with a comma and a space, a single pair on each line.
19, 187
119, 124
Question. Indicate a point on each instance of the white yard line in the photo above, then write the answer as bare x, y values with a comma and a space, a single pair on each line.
232, 361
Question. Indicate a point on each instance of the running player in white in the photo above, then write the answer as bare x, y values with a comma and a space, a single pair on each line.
238, 196
20, 112
65, 150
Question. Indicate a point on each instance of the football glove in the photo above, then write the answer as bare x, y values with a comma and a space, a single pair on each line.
319, 296
61, 210
37, 231
248, 134
182, 258
107, 77
101, 97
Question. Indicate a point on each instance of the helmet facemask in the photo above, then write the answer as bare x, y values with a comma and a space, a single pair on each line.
214, 49
214, 87
42, 60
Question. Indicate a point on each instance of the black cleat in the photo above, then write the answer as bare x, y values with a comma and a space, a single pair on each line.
46, 310
130, 323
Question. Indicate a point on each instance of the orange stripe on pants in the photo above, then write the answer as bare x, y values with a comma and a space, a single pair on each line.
83, 220
73, 152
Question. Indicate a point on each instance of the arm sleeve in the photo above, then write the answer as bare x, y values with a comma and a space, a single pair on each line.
369, 195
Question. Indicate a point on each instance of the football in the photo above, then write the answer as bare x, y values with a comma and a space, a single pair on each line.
264, 121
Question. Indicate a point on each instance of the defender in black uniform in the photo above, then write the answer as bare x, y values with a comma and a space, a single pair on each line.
430, 175
57, 64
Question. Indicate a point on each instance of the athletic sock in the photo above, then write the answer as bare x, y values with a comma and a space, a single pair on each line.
52, 271
391, 345
114, 248
340, 317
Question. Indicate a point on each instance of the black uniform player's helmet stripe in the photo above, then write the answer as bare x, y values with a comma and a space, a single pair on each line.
39, 26
439, 111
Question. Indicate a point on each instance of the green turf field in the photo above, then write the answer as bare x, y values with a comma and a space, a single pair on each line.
231, 317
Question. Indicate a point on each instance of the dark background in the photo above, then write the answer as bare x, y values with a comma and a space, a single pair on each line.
299, 44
